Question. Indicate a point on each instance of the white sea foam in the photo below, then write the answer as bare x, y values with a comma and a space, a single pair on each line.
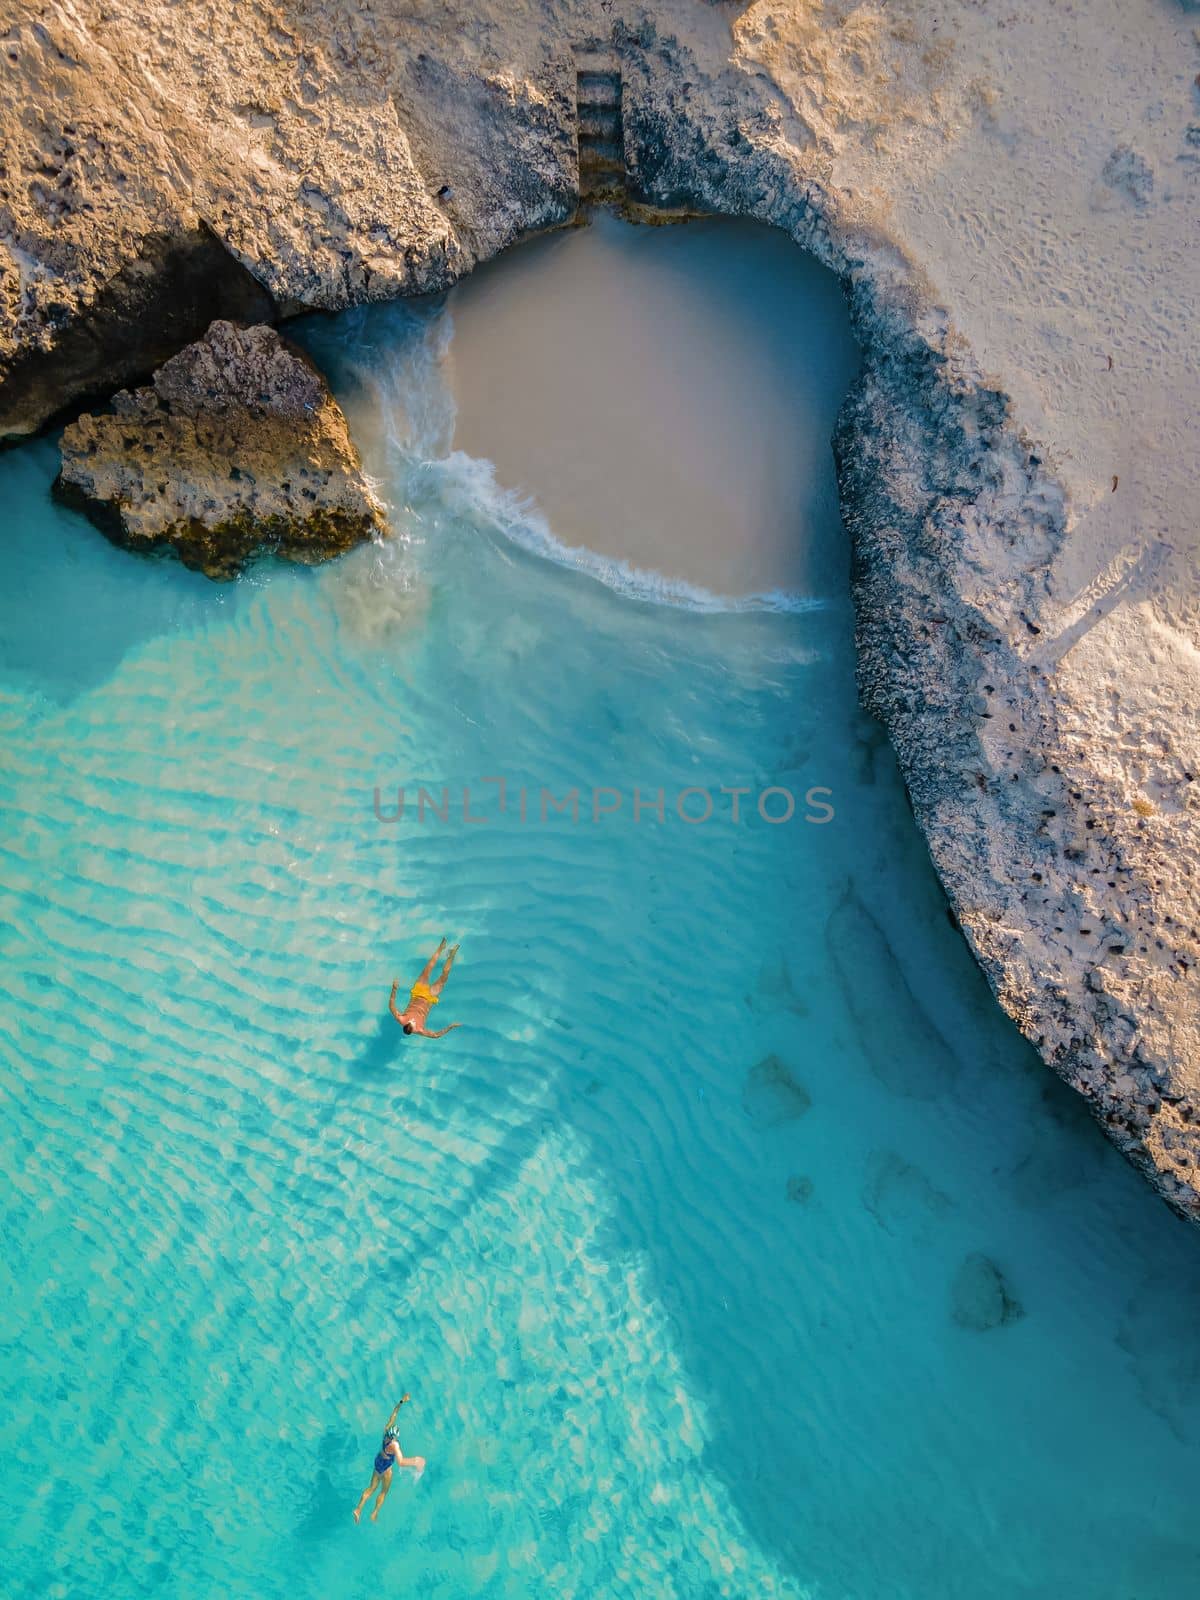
468, 486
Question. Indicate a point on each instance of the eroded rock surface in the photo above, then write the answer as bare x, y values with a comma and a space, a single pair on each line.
156, 303
237, 448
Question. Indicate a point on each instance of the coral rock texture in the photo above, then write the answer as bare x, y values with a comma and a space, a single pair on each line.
237, 448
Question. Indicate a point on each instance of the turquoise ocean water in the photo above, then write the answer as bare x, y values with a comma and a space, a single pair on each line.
667, 1242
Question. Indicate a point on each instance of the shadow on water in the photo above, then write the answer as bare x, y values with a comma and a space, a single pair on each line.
383, 1049
331, 1473
126, 601
381, 1063
427, 1238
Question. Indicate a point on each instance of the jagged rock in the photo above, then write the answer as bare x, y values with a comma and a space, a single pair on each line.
332, 157
141, 316
237, 448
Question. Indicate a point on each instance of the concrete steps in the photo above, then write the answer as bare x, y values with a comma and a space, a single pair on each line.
600, 130
599, 87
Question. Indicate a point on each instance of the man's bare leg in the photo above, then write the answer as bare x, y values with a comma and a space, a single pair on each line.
431, 963
366, 1495
441, 983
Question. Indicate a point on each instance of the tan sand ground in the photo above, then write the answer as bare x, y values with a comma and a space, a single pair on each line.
666, 396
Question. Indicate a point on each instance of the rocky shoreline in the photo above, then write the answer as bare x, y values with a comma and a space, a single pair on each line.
361, 162
236, 449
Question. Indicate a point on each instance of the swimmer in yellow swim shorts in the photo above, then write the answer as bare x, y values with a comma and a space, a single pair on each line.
423, 996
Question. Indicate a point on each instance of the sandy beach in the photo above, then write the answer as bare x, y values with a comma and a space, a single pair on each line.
682, 428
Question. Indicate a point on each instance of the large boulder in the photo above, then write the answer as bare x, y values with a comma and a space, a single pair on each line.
236, 449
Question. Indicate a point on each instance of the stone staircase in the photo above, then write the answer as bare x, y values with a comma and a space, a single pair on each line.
601, 135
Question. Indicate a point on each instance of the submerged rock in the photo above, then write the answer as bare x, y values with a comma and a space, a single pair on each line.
899, 1195
901, 1042
979, 1296
772, 1094
775, 990
237, 449
1167, 1368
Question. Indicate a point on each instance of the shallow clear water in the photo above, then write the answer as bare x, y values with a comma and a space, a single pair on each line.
664, 1241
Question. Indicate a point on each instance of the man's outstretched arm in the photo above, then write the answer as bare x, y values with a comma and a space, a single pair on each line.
392, 1002
438, 1033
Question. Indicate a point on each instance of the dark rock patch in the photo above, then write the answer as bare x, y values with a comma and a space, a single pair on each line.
905, 1050
165, 297
899, 1196
773, 1095
775, 990
980, 1298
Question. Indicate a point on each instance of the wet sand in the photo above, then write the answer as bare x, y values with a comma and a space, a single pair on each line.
666, 396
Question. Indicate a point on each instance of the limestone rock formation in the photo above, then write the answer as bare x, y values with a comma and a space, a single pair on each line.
152, 306
321, 152
237, 448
